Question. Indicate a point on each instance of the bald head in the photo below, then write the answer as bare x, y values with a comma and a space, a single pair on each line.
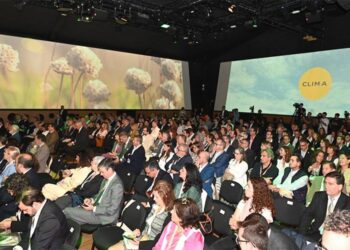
203, 158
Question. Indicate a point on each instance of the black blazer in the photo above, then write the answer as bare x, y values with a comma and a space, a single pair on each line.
21, 225
162, 175
306, 161
279, 241
317, 211
179, 163
81, 140
136, 161
90, 188
257, 171
33, 179
51, 230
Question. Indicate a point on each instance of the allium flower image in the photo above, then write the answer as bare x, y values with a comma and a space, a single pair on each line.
163, 103
61, 66
9, 58
96, 92
84, 60
45, 87
171, 90
139, 81
170, 70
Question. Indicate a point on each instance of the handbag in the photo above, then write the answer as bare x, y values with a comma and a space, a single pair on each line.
205, 223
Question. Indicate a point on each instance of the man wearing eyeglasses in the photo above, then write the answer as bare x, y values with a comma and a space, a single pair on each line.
323, 204
253, 234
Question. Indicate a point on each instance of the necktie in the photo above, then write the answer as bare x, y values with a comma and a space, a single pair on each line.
100, 192
330, 206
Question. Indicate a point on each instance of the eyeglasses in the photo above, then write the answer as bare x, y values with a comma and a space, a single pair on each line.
238, 241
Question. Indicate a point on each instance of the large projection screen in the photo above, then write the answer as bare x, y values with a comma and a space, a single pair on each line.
38, 74
319, 80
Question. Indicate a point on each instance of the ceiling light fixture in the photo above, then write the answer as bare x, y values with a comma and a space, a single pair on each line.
232, 8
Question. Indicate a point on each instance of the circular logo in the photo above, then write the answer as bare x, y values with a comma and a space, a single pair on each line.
315, 83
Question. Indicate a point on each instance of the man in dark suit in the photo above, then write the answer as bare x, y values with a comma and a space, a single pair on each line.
323, 204
134, 158
206, 171
305, 154
254, 140
153, 171
25, 166
219, 161
3, 142
48, 229
249, 154
81, 140
179, 159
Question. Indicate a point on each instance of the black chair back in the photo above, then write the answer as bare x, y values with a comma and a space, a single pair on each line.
134, 215
74, 233
288, 211
128, 179
220, 216
142, 183
231, 192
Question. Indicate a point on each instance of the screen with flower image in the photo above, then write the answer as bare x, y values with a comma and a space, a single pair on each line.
38, 74
319, 80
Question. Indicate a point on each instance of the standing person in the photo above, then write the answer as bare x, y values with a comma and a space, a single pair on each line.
181, 232
49, 228
41, 152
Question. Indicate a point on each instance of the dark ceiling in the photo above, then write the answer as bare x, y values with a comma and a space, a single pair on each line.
200, 30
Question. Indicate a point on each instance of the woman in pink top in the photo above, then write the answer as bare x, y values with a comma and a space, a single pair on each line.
181, 232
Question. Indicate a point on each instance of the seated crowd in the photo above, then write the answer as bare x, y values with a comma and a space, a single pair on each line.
106, 171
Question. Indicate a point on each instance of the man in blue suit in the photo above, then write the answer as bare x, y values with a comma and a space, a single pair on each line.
206, 171
220, 162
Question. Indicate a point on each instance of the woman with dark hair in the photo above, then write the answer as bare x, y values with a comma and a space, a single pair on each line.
195, 148
344, 168
257, 199
237, 168
332, 154
209, 143
163, 196
190, 184
315, 168
283, 160
167, 155
181, 231
324, 143
14, 185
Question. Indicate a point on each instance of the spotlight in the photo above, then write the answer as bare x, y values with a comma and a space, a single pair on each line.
232, 8
165, 26
309, 38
